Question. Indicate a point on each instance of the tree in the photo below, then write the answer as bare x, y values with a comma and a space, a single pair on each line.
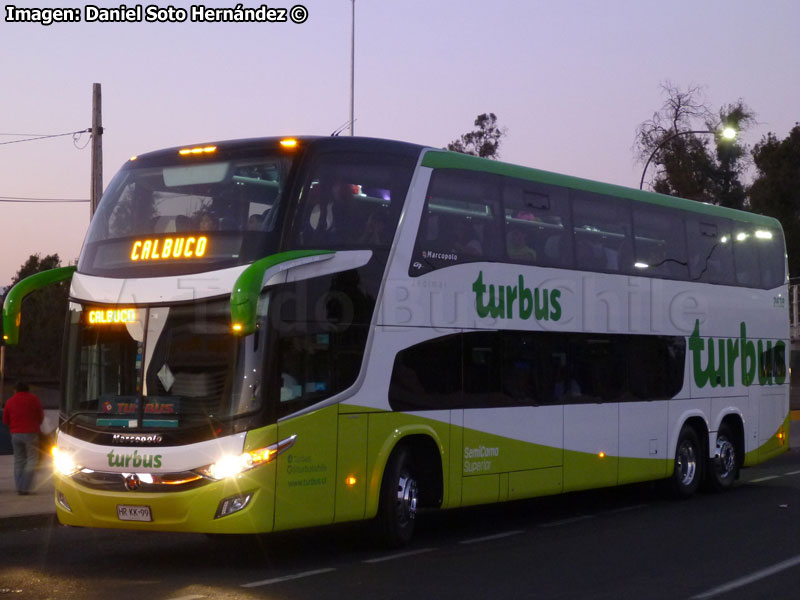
776, 189
38, 355
685, 165
484, 141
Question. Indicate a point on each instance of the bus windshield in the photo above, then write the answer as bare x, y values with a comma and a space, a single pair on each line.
186, 218
160, 367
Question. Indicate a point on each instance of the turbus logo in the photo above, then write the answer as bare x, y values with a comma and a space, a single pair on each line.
715, 362
135, 460
542, 304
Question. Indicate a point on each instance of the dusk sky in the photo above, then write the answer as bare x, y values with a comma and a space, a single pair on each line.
570, 80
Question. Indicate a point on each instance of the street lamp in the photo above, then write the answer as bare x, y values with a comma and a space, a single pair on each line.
728, 133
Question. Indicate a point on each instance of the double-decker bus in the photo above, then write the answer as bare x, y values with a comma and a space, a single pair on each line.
269, 334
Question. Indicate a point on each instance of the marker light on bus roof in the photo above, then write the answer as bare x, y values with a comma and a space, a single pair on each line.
641, 265
134, 157
289, 143
763, 235
197, 150
740, 237
724, 239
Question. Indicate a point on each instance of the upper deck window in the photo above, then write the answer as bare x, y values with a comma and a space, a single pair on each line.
201, 215
351, 199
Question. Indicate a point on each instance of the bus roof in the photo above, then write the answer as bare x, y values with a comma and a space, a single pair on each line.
440, 159
342, 143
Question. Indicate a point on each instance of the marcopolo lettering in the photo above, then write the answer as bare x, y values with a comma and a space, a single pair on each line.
715, 361
137, 438
499, 301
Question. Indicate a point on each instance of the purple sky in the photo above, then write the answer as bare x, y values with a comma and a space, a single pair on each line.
570, 80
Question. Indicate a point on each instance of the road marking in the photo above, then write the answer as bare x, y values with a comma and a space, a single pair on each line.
287, 578
748, 579
398, 555
625, 509
760, 479
191, 597
566, 521
792, 473
496, 536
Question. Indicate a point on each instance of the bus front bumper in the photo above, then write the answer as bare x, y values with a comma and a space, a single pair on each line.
244, 504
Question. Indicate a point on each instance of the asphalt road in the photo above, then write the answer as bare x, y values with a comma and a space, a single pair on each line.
613, 544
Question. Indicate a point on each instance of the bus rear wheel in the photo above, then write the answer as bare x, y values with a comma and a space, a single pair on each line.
723, 467
397, 509
687, 473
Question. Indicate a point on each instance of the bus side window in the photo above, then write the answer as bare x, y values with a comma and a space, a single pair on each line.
745, 256
459, 222
769, 243
709, 241
659, 243
536, 218
602, 227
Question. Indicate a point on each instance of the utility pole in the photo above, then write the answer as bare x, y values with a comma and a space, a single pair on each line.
96, 189
352, 66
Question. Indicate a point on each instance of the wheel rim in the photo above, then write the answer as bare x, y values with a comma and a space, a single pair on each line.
687, 463
406, 499
725, 457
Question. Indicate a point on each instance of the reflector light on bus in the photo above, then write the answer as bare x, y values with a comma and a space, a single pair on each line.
111, 316
169, 248
197, 150
601, 454
351, 481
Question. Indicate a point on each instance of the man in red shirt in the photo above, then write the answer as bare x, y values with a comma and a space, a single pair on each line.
23, 414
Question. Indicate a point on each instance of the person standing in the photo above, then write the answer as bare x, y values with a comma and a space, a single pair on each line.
24, 415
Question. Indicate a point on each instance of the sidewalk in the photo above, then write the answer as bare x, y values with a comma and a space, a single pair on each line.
35, 509
38, 508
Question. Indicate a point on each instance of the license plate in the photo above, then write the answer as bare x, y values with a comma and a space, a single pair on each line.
134, 513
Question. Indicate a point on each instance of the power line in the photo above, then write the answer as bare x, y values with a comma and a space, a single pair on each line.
25, 134
45, 137
38, 200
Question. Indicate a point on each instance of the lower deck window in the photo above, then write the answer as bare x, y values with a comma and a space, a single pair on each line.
488, 369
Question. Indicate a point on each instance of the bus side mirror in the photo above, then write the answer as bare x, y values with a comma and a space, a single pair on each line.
12, 307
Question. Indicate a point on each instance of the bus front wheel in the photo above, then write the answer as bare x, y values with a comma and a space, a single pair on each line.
688, 464
397, 509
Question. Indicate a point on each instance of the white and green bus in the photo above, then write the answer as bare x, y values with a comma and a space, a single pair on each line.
269, 334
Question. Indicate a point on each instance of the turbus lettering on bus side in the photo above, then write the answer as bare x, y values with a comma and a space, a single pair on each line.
542, 304
763, 361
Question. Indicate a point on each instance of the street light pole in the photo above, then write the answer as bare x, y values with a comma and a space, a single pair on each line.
729, 133
352, 65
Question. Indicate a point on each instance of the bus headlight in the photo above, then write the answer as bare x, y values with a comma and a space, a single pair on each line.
232, 465
63, 463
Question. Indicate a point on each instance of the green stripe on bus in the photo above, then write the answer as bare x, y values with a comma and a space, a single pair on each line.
244, 298
455, 160
12, 306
